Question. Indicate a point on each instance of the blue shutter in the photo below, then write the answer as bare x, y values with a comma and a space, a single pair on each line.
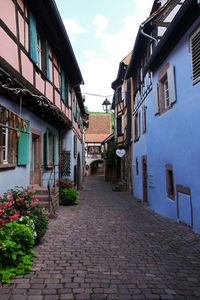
62, 85
47, 60
23, 146
32, 38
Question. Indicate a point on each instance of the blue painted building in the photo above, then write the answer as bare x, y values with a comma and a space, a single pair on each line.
173, 139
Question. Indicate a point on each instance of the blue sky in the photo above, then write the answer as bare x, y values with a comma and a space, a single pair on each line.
102, 33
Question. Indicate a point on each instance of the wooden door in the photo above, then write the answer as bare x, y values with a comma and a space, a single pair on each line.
144, 179
35, 178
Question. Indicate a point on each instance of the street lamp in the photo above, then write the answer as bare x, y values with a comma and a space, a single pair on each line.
106, 105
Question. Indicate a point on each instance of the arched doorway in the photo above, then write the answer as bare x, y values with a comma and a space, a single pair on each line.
97, 167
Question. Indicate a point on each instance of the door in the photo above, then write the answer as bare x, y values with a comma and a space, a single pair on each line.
144, 178
35, 178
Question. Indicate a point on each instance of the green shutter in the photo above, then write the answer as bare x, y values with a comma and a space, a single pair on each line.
78, 116
62, 85
67, 98
47, 148
54, 150
47, 60
23, 147
32, 38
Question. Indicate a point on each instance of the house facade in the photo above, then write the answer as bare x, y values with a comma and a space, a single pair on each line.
123, 123
173, 118
41, 107
98, 130
149, 34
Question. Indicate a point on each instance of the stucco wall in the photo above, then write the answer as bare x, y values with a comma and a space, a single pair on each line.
21, 174
173, 138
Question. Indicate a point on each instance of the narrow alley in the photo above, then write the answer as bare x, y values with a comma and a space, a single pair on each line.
111, 247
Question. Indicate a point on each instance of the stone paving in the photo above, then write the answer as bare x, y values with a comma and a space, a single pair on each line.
111, 247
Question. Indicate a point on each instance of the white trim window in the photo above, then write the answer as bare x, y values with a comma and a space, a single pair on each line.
166, 93
195, 53
39, 52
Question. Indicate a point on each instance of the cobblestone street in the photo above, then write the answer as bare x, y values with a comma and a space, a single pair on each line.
111, 247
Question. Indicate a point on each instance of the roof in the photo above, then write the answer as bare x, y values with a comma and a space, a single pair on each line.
95, 138
185, 17
121, 71
109, 138
140, 42
99, 124
49, 19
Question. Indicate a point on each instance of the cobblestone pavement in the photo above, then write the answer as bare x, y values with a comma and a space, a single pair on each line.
111, 247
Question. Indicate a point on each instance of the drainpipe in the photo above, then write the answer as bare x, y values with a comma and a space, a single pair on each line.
149, 36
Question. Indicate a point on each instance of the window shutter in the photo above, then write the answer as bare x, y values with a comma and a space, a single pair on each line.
171, 84
122, 118
23, 146
47, 148
47, 60
67, 93
139, 124
195, 52
54, 150
155, 99
32, 38
62, 85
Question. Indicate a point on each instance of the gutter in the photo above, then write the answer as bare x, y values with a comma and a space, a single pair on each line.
189, 11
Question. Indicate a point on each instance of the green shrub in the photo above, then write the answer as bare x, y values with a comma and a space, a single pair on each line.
16, 255
40, 222
68, 196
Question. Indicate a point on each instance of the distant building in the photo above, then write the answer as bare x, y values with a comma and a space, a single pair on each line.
99, 129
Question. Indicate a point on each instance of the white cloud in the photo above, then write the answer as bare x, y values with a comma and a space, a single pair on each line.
72, 27
101, 24
88, 54
101, 66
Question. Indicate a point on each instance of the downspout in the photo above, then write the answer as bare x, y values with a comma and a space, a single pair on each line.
148, 36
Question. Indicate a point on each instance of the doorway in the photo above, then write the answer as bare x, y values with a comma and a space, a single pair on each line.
144, 178
35, 170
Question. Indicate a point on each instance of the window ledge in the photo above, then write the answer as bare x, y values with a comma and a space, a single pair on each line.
7, 166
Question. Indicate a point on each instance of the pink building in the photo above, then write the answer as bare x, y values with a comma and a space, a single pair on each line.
41, 106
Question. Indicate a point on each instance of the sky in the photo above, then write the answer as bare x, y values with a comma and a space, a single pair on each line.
102, 33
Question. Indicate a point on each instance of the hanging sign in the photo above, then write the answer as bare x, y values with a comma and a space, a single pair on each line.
120, 152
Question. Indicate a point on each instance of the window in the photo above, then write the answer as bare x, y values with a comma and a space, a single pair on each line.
164, 93
137, 126
120, 125
195, 52
170, 182
50, 149
118, 95
14, 139
143, 119
75, 146
39, 52
38, 47
5, 144
136, 164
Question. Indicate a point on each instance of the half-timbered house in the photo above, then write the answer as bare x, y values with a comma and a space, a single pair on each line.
149, 34
123, 123
41, 107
